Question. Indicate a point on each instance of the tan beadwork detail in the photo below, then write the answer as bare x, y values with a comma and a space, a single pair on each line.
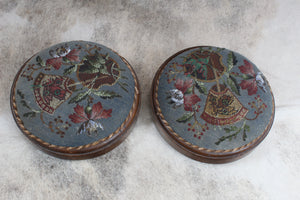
195, 147
55, 147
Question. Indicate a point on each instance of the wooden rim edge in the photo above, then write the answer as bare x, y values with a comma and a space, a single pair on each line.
194, 151
90, 148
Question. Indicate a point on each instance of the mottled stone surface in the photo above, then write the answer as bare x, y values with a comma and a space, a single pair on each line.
146, 33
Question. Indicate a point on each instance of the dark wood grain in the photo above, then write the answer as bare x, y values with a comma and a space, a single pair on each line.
87, 152
182, 147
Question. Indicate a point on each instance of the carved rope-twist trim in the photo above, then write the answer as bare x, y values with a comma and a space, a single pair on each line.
55, 147
195, 147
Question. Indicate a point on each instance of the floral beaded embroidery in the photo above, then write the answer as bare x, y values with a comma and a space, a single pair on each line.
204, 68
93, 70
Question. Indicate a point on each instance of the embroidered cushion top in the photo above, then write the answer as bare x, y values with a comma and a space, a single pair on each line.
213, 99
73, 94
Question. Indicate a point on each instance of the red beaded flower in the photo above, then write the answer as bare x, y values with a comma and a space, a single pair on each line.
62, 54
251, 80
180, 95
88, 116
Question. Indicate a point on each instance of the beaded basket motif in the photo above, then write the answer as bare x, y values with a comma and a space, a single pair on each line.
213, 98
74, 94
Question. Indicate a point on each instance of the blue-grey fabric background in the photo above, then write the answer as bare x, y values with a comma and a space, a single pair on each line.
212, 135
120, 105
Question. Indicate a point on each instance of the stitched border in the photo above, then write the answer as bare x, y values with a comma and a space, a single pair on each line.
196, 148
119, 131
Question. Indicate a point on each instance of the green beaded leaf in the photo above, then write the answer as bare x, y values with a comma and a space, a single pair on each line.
231, 60
201, 88
106, 94
186, 117
80, 96
231, 81
40, 61
70, 70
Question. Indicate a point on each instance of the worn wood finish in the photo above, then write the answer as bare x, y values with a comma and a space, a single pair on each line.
91, 150
192, 151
